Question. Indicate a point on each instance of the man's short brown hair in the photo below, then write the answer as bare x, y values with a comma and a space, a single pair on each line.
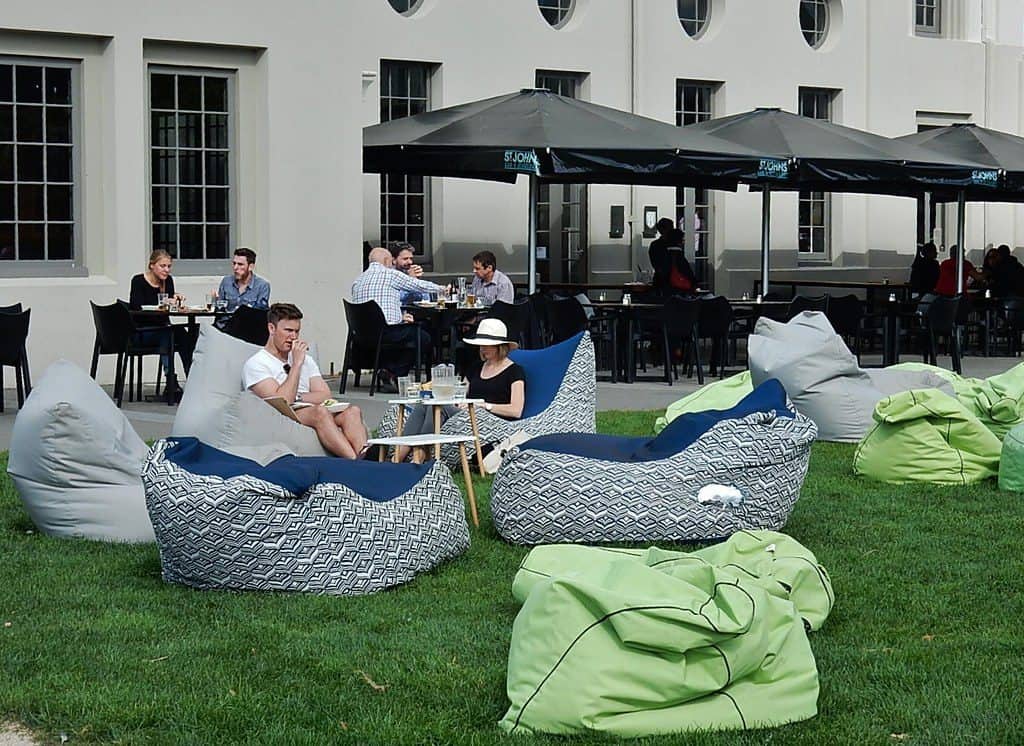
283, 312
486, 259
248, 253
397, 247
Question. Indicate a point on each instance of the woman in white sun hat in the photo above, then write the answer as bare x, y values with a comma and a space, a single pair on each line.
501, 383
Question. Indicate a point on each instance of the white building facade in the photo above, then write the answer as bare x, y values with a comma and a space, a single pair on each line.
201, 127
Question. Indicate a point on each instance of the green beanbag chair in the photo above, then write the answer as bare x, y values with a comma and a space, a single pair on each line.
645, 642
925, 435
724, 394
998, 401
1011, 462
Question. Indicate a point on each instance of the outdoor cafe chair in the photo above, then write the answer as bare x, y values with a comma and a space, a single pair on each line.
675, 326
117, 334
248, 324
939, 318
1010, 324
365, 343
715, 323
516, 317
801, 303
14, 323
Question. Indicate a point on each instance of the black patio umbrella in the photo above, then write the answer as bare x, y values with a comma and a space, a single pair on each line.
815, 154
997, 150
551, 138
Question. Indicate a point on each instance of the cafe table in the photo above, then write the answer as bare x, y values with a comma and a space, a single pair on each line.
437, 404
624, 317
438, 319
191, 316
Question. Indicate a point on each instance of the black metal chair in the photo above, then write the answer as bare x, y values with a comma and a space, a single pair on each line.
365, 343
847, 314
248, 324
117, 334
715, 323
538, 329
939, 318
802, 303
565, 319
14, 324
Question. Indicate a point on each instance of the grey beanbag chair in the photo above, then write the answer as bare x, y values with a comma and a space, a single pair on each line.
76, 461
219, 412
822, 377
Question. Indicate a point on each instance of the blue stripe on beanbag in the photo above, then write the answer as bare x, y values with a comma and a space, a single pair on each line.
375, 481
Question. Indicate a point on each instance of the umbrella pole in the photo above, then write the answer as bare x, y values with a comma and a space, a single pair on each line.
531, 242
961, 220
766, 232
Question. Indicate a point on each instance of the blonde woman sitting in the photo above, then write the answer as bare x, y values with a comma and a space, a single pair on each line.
501, 383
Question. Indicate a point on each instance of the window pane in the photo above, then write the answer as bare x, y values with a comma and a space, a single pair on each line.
58, 163
190, 92
216, 130
414, 205
29, 121
6, 202
399, 108
190, 204
191, 237
6, 82
396, 208
60, 241
161, 91
217, 168
163, 167
398, 78
164, 132
58, 202
414, 235
190, 167
166, 237
7, 241
6, 163
30, 241
6, 123
58, 124
216, 93
165, 203
216, 242
58, 85
30, 162
28, 84
30, 202
415, 184
189, 133
217, 205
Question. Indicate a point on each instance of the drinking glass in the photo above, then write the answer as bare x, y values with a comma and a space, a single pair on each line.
161, 300
470, 300
221, 304
209, 301
460, 390
403, 386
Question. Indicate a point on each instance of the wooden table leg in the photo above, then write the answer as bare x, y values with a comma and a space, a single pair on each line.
418, 454
437, 431
382, 451
401, 420
476, 438
468, 476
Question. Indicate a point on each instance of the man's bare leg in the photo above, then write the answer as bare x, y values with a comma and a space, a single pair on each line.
331, 438
352, 426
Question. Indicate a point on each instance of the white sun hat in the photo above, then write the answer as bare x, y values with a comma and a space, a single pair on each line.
491, 332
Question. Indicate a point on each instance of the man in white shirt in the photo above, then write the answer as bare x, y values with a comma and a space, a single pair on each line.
283, 368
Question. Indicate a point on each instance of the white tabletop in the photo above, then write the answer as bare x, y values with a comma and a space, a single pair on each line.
435, 402
426, 439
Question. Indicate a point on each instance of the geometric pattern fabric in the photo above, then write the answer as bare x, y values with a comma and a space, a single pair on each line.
244, 533
541, 497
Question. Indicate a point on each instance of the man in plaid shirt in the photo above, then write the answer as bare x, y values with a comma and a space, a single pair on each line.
381, 283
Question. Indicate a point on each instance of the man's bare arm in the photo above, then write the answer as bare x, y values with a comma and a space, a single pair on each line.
318, 391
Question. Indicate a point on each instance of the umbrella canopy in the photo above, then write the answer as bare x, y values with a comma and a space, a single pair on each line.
834, 158
554, 138
997, 150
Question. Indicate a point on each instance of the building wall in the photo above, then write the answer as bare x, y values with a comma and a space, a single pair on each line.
308, 81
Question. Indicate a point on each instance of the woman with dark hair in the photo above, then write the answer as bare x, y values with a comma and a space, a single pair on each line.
924, 272
672, 272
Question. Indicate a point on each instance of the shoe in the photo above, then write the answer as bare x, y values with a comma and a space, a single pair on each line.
494, 459
387, 383
370, 452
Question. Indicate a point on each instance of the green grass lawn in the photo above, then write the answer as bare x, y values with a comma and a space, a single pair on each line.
924, 645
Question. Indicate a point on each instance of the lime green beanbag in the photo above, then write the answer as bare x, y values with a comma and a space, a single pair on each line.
927, 436
723, 394
643, 642
1011, 462
997, 401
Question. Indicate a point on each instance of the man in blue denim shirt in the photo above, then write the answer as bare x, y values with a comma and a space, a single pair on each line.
243, 287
